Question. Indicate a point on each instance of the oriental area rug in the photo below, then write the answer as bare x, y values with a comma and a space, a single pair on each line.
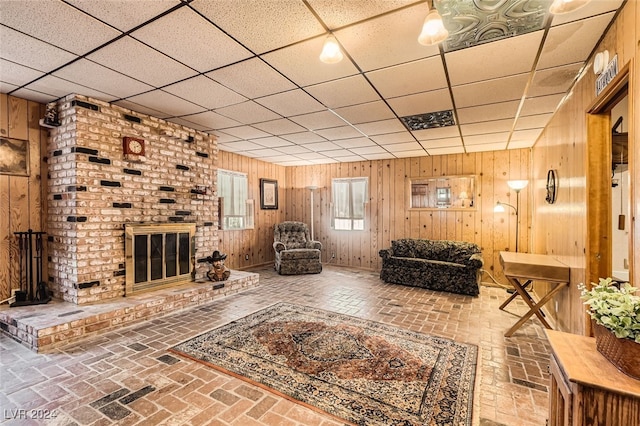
360, 371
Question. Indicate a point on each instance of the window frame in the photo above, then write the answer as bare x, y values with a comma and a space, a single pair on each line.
339, 221
246, 205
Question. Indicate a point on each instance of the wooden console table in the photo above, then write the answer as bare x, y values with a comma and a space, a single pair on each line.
586, 389
521, 269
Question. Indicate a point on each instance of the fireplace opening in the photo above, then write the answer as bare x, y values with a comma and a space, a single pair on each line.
158, 255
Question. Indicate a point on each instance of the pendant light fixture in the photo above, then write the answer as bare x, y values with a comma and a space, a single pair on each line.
433, 30
558, 7
331, 53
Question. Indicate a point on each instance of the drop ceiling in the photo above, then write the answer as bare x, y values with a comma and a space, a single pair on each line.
248, 71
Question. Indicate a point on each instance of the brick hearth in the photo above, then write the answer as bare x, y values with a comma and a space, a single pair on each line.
44, 327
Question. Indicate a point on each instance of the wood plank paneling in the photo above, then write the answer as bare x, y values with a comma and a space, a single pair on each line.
21, 206
571, 229
388, 216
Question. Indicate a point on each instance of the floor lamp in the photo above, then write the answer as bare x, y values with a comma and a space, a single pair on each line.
516, 185
311, 189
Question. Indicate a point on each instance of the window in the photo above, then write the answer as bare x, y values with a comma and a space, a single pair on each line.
349, 198
236, 210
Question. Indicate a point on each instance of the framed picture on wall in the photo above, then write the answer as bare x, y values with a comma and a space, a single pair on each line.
268, 194
14, 157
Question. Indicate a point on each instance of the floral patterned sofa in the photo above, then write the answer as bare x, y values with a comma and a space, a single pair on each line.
442, 265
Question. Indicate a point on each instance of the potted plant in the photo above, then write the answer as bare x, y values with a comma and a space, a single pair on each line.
615, 315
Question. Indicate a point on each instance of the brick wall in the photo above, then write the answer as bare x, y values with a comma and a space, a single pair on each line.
94, 190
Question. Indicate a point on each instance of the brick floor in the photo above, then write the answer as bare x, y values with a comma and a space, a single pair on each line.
128, 377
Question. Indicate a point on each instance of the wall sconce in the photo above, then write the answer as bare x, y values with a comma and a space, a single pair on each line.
558, 7
433, 30
331, 53
516, 185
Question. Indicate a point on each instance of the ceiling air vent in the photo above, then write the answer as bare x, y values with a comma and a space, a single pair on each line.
429, 120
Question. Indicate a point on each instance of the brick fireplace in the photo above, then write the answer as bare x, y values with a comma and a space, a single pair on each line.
97, 188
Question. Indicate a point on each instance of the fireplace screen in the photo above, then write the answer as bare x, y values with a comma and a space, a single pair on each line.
158, 255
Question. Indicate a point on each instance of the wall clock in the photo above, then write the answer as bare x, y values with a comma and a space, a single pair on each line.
552, 186
133, 145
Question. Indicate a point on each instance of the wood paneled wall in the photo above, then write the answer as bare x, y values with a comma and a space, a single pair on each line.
21, 197
255, 243
562, 229
388, 216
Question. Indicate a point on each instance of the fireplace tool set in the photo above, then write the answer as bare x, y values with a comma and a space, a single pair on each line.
33, 291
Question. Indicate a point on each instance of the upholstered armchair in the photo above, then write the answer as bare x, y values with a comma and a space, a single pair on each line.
296, 253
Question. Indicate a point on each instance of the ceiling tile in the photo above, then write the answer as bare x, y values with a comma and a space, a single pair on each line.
343, 132
338, 153
172, 34
43, 98
529, 135
365, 113
479, 114
252, 78
570, 43
533, 121
212, 120
368, 150
293, 149
392, 138
318, 120
409, 154
101, 78
223, 138
125, 14
344, 92
262, 26
271, 142
58, 23
132, 58
407, 146
354, 143
495, 126
554, 80
338, 13
60, 87
303, 137
17, 74
499, 146
592, 8
311, 156
8, 87
167, 103
418, 76
540, 105
189, 124
246, 132
436, 133
279, 127
239, 146
205, 92
292, 102
441, 143
378, 156
261, 153
486, 138
381, 127
520, 144
349, 159
248, 112
30, 52
301, 63
420, 103
510, 56
322, 146
388, 40
125, 103
491, 91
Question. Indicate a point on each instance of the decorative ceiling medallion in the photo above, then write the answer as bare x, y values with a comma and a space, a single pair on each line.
471, 23
429, 120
